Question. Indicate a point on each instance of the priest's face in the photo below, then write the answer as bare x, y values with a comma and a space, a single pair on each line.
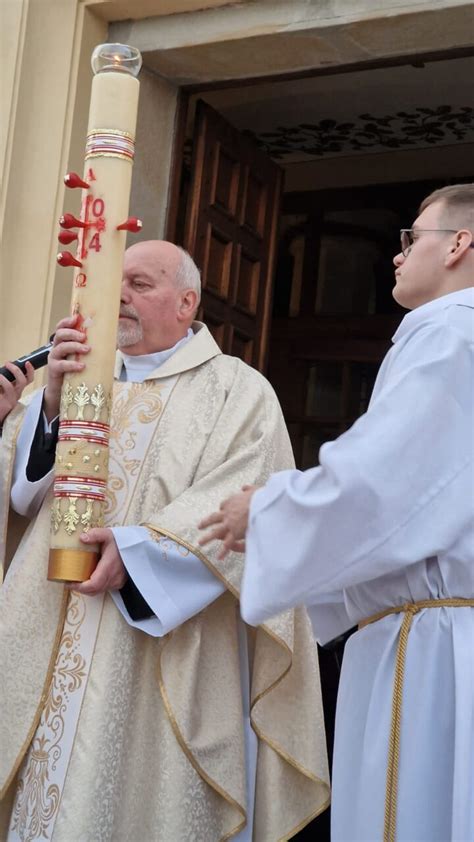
420, 273
154, 313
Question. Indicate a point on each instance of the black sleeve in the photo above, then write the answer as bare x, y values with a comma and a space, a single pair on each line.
134, 602
43, 451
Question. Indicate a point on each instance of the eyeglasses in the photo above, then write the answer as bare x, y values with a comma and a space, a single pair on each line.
408, 238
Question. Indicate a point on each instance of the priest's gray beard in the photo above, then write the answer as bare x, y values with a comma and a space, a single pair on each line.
131, 332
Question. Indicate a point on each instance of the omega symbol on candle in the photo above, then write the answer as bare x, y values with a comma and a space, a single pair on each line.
80, 280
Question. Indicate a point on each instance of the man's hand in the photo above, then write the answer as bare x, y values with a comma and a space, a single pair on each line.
230, 522
110, 573
68, 341
10, 393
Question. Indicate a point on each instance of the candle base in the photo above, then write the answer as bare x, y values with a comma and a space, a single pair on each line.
71, 565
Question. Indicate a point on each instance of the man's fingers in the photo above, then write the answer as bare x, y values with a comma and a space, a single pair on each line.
216, 517
30, 372
68, 321
95, 536
7, 388
97, 583
60, 367
67, 349
227, 545
68, 335
20, 380
217, 534
238, 546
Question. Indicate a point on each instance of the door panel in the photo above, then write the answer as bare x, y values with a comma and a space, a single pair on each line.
231, 228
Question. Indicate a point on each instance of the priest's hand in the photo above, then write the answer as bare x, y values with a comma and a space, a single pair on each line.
69, 344
110, 573
10, 393
230, 522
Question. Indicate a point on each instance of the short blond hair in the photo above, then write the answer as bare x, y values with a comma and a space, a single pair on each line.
457, 203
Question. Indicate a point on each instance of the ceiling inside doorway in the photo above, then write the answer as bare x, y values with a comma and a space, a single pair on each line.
367, 111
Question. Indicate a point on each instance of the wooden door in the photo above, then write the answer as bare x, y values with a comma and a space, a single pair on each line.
334, 314
231, 232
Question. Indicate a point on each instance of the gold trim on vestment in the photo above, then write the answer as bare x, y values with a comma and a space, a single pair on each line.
279, 749
71, 565
187, 751
308, 819
270, 742
197, 552
409, 609
104, 595
44, 694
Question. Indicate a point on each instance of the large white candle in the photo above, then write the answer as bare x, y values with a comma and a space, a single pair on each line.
82, 453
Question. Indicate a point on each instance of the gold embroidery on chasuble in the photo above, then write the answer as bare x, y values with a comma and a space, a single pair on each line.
37, 797
137, 408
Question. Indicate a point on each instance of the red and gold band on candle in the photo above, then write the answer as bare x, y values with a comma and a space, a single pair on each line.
119, 144
81, 469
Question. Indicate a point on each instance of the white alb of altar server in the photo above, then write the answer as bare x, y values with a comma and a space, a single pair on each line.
387, 519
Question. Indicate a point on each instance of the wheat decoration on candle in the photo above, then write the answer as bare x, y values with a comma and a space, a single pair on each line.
82, 452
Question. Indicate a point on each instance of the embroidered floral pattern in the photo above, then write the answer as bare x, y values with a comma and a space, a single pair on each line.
37, 798
139, 402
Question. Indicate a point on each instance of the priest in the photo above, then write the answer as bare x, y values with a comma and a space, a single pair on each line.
137, 704
381, 536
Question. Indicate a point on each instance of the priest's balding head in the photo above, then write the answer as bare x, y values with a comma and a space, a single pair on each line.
161, 290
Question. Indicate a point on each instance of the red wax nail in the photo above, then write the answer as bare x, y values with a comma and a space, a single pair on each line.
131, 224
67, 220
72, 179
65, 258
66, 237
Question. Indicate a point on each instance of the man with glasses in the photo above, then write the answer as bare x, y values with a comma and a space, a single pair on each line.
381, 535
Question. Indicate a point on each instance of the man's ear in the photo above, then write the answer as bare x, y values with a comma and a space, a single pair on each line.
459, 246
188, 305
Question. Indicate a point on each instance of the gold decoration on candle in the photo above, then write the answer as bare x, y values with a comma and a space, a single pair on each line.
70, 517
81, 399
98, 400
86, 517
82, 451
66, 399
74, 403
56, 516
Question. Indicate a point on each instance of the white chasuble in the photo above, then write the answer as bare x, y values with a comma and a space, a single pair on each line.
158, 751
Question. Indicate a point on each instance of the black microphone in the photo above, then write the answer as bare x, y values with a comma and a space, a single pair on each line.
37, 358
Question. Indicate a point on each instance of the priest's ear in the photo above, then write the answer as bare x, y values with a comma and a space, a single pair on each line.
188, 305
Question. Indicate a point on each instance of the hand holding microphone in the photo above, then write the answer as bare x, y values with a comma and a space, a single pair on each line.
11, 386
36, 359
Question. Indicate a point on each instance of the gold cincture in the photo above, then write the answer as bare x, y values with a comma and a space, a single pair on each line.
409, 609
